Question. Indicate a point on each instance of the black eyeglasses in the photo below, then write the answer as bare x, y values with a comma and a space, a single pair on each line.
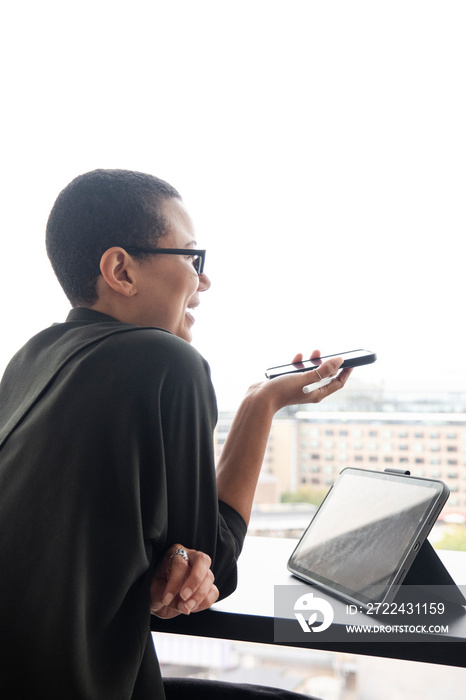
197, 256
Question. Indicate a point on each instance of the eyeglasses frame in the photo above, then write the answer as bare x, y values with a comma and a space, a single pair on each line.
198, 264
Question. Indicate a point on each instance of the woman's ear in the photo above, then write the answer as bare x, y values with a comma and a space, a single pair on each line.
119, 272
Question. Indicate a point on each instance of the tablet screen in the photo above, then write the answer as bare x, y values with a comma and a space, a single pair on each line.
361, 536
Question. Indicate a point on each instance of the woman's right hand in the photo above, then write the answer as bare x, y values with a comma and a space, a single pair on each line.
183, 585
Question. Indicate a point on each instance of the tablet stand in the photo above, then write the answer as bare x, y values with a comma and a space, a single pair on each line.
427, 576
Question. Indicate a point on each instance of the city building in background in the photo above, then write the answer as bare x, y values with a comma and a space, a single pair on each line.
367, 428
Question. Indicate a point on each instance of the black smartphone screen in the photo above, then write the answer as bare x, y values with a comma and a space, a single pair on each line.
353, 358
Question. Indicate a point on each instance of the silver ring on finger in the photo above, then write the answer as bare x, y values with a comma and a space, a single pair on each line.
318, 374
180, 552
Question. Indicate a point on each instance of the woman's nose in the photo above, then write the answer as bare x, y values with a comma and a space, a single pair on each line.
204, 282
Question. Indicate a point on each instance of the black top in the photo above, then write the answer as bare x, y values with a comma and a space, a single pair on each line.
106, 460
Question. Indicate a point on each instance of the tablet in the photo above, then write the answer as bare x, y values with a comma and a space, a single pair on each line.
365, 535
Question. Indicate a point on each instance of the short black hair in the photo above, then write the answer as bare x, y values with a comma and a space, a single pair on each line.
96, 211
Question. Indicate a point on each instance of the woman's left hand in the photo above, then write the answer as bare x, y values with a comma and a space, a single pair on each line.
287, 389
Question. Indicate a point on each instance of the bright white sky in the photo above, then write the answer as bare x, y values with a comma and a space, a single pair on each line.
319, 146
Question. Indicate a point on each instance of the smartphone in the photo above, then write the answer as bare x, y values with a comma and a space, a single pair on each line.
353, 358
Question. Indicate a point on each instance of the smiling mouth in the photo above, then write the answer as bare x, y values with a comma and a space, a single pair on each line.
189, 313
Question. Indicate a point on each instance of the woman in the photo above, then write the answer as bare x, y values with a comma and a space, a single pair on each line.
108, 487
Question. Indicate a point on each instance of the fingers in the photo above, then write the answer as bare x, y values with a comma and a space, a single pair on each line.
299, 357
324, 370
189, 584
335, 384
297, 360
175, 569
157, 597
202, 598
198, 589
287, 389
200, 571
341, 380
322, 378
